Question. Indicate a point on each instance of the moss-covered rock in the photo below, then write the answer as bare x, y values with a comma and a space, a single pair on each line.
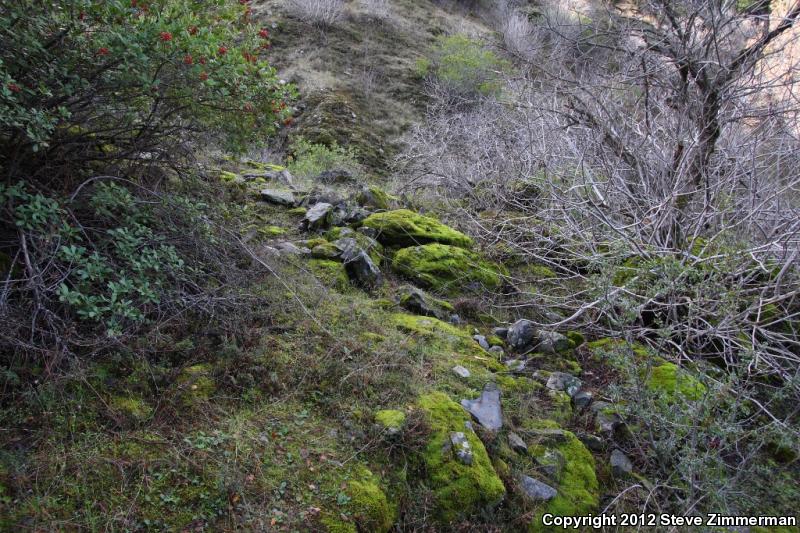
577, 488
447, 268
326, 250
403, 227
370, 509
460, 490
376, 198
331, 273
670, 380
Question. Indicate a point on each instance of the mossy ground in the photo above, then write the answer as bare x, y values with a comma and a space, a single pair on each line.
402, 227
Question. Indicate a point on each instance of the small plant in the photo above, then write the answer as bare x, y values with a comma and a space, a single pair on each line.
309, 160
321, 13
464, 67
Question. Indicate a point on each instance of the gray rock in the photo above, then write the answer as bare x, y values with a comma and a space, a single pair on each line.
536, 490
621, 466
276, 196
421, 303
455, 320
338, 175
356, 214
606, 419
482, 342
563, 381
486, 409
372, 233
345, 232
500, 332
593, 442
348, 247
461, 448
515, 365
363, 271
318, 216
288, 248
582, 399
522, 335
461, 372
318, 195
552, 342
552, 463
517, 444
497, 350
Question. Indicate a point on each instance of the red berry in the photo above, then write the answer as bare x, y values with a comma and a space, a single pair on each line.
13, 87
187, 59
222, 50
166, 36
202, 60
82, 15
264, 33
103, 51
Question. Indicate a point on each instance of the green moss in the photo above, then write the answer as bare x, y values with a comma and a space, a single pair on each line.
298, 211
376, 197
578, 487
196, 383
132, 407
390, 418
576, 337
494, 340
330, 273
311, 243
369, 506
228, 177
407, 228
272, 231
460, 490
326, 250
447, 268
334, 524
670, 380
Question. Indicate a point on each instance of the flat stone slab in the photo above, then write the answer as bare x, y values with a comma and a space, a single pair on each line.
486, 409
277, 196
536, 490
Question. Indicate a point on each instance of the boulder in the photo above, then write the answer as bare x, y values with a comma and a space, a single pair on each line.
459, 490
522, 335
375, 198
448, 269
552, 342
486, 409
318, 216
362, 270
419, 302
403, 227
278, 197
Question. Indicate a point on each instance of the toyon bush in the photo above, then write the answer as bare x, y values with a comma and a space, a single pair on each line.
96, 99
84, 80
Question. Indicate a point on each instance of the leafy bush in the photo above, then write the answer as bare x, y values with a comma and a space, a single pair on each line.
309, 159
84, 80
464, 66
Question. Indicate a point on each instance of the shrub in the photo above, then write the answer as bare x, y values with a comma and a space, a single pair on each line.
320, 13
90, 81
309, 159
464, 67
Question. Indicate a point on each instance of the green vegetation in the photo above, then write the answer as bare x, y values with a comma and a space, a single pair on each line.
308, 160
464, 66
448, 269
